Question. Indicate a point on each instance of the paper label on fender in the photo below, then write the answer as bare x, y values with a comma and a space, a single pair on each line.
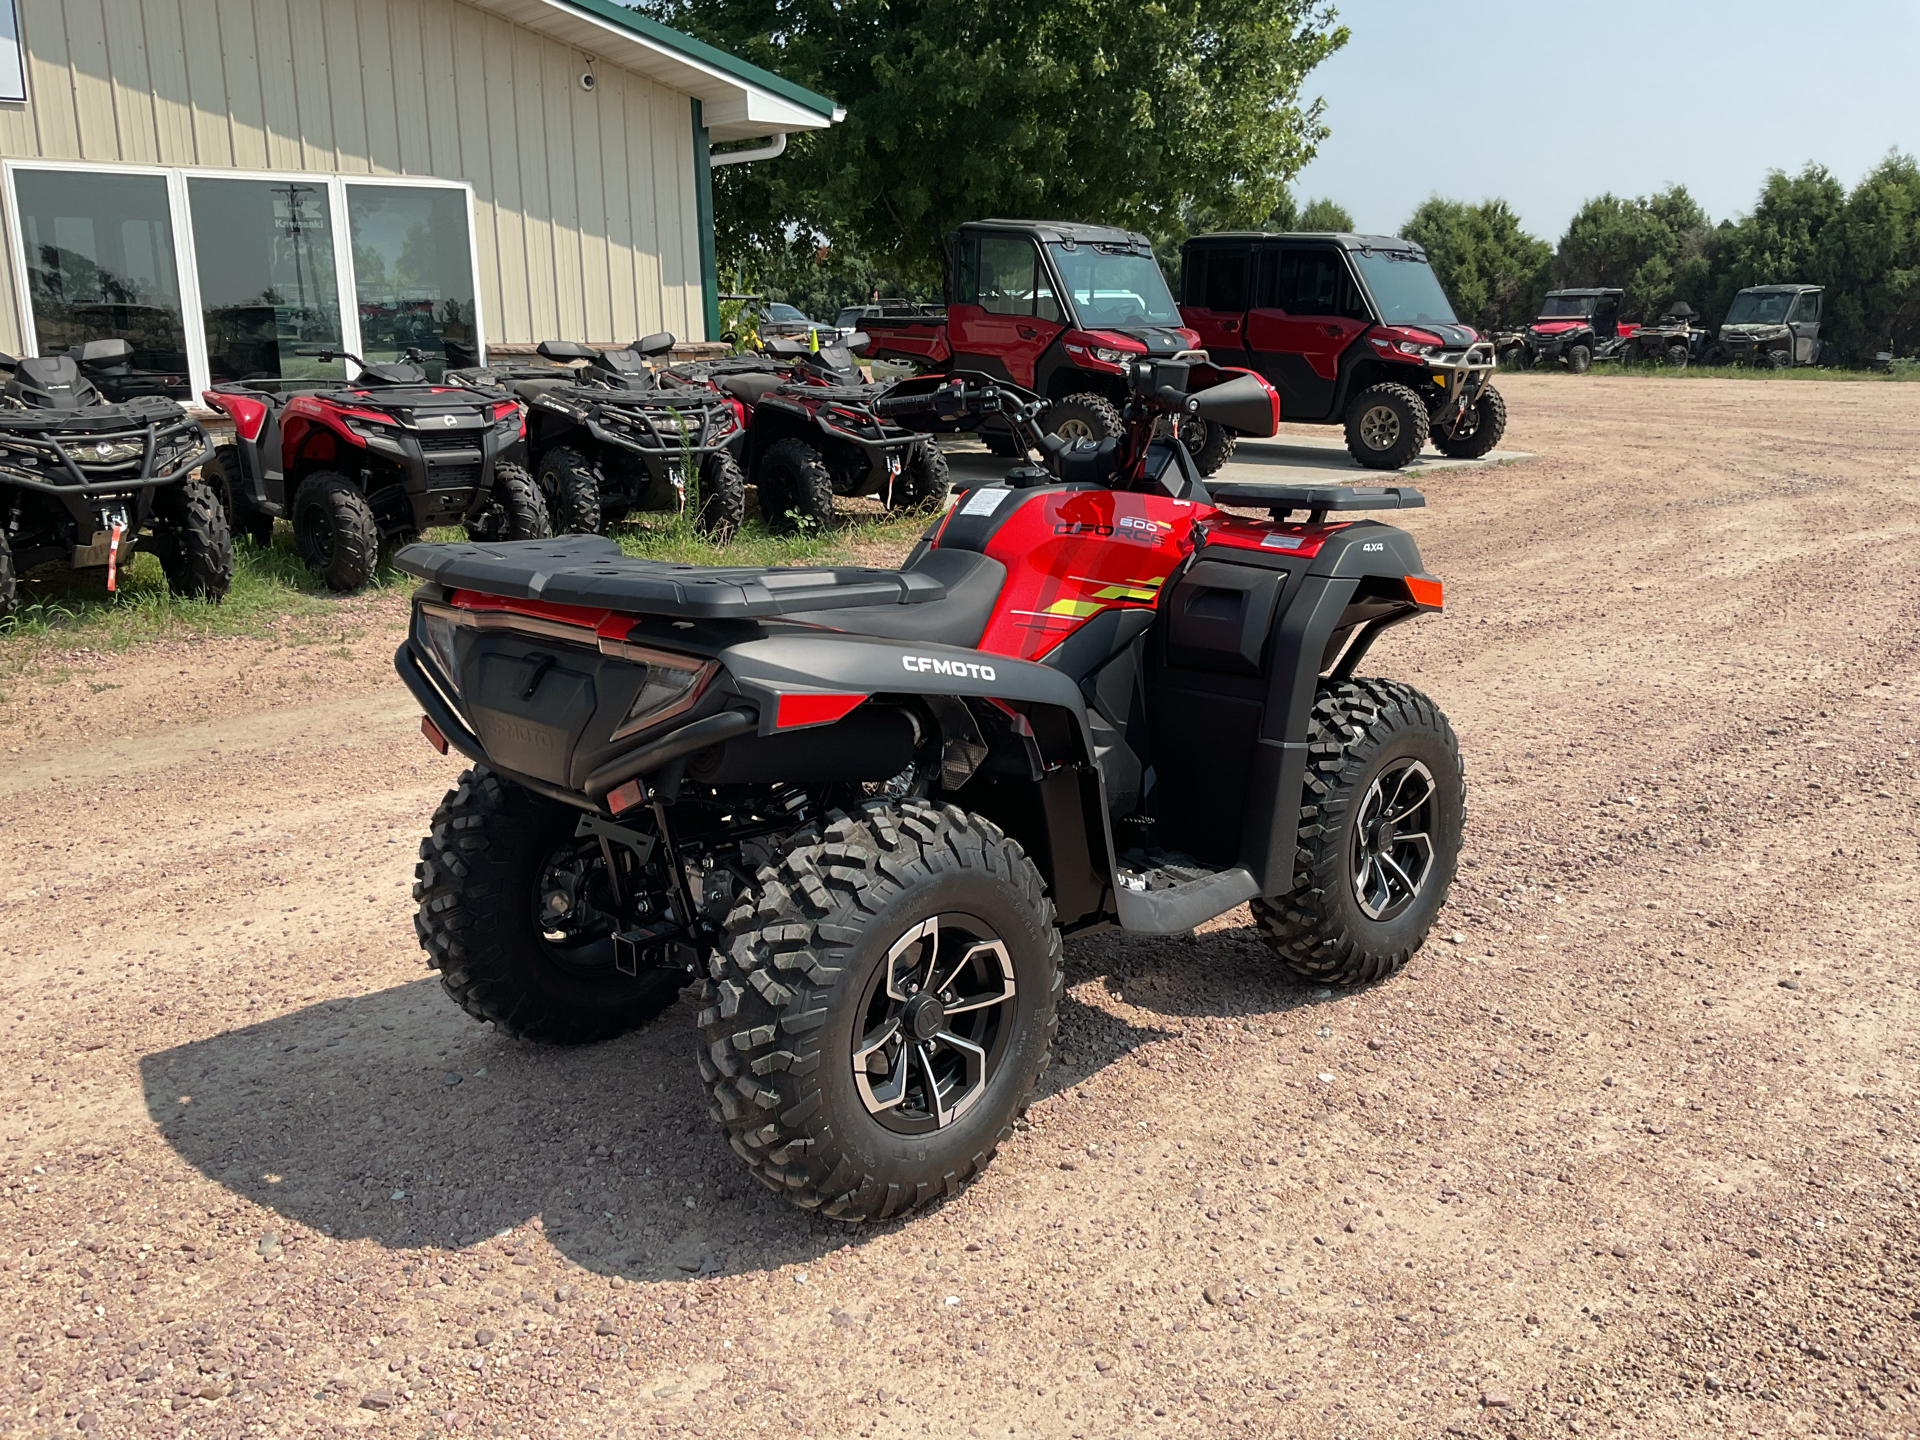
984, 501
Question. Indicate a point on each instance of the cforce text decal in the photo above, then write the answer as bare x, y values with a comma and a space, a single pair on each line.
926, 664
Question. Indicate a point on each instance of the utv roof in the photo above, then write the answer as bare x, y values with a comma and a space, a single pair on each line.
1778, 289
1602, 290
1346, 240
1057, 230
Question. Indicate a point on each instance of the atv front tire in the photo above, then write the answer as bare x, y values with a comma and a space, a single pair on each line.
1479, 429
334, 530
723, 496
1579, 359
223, 476
1210, 443
884, 1010
923, 482
484, 867
1778, 360
796, 488
192, 540
1387, 427
571, 488
1380, 822
1083, 417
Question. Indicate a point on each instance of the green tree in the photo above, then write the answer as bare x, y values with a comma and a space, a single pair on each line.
1658, 248
1492, 270
1870, 261
1143, 115
1325, 215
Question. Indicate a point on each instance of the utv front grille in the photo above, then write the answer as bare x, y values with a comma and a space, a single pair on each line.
452, 477
447, 444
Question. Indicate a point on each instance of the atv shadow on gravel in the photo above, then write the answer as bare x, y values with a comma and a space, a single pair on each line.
323, 1115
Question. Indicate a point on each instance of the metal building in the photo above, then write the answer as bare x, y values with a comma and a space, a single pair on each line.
224, 181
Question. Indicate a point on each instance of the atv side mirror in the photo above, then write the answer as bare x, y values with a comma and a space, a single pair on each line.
1245, 403
565, 350
656, 344
101, 352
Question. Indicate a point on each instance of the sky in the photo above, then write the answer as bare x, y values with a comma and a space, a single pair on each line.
1547, 104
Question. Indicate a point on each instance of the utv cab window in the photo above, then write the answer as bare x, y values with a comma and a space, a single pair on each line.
1567, 307
1806, 309
1115, 285
1313, 282
1002, 275
1405, 288
1220, 282
1751, 309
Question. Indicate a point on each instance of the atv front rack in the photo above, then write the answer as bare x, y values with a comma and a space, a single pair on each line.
592, 571
1316, 500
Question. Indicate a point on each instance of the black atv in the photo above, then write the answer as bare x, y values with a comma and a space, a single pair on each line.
89, 482
813, 433
608, 438
378, 460
863, 807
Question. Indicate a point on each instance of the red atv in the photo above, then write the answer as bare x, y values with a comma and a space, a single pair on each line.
862, 807
379, 460
812, 433
1060, 309
1352, 330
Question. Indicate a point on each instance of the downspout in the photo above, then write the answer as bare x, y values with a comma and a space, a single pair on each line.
772, 150
703, 212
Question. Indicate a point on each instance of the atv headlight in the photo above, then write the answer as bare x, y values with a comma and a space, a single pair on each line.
1111, 357
672, 684
111, 452
437, 632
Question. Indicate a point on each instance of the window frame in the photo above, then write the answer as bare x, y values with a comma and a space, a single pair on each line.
187, 260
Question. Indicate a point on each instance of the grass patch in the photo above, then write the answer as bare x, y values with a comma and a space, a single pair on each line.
59, 606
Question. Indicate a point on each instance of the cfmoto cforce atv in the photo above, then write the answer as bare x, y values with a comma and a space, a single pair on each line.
376, 461
89, 482
608, 438
862, 807
813, 433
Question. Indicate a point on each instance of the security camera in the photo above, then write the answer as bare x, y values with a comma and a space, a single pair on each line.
587, 82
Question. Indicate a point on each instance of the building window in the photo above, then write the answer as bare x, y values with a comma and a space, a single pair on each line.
264, 253
413, 274
101, 264
217, 277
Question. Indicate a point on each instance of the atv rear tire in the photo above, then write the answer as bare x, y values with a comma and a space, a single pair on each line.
923, 482
1387, 427
1678, 356
1366, 892
831, 948
478, 887
796, 488
1479, 429
223, 476
1215, 447
334, 530
570, 485
1083, 417
1518, 358
192, 541
1579, 359
9, 583
723, 496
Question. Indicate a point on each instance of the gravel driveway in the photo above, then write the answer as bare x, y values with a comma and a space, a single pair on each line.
1629, 1147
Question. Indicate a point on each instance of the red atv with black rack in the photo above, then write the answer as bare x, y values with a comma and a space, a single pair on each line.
374, 462
813, 433
861, 808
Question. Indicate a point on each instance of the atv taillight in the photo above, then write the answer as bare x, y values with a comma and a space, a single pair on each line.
437, 634
673, 682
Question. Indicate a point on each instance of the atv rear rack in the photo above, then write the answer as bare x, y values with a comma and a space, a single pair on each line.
591, 570
1317, 500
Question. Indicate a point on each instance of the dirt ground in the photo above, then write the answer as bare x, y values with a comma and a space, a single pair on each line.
1629, 1147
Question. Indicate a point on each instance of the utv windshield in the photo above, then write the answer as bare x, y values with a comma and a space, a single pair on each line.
1114, 286
1751, 309
1404, 288
1566, 307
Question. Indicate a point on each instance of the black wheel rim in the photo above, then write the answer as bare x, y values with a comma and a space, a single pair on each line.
1391, 850
319, 533
934, 1024
572, 903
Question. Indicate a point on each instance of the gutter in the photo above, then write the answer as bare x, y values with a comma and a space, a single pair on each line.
772, 150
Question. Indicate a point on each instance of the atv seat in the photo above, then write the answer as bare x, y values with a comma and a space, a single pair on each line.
749, 388
50, 382
972, 582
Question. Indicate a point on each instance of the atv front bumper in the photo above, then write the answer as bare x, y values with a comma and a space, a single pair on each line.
1451, 380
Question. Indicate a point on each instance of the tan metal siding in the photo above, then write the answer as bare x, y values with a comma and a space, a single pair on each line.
583, 202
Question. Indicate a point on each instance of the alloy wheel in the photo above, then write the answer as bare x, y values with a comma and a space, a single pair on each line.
1391, 852
1380, 427
934, 1024
1074, 429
